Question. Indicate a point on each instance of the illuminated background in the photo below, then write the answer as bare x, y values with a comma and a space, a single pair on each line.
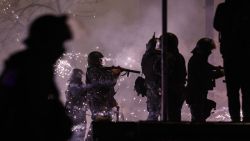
119, 29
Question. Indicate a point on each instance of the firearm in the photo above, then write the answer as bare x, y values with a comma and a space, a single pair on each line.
122, 70
217, 72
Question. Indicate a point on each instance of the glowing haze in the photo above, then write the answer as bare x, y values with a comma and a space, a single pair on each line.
119, 29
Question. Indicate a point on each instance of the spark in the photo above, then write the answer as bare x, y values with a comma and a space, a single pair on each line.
65, 63
140, 101
107, 59
122, 79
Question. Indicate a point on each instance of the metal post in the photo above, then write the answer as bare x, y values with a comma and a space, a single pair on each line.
209, 15
164, 99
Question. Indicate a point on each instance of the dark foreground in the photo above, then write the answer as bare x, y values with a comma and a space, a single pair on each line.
166, 131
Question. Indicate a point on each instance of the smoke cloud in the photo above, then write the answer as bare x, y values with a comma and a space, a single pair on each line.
119, 29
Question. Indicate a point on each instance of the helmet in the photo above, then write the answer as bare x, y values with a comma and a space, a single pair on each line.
76, 75
77, 72
171, 41
48, 29
204, 45
94, 58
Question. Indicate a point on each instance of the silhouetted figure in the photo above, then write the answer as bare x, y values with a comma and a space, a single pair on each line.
201, 79
101, 97
232, 21
29, 100
76, 104
176, 77
149, 63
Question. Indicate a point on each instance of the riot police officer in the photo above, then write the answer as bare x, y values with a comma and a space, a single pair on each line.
101, 97
150, 68
30, 105
175, 76
76, 104
232, 20
201, 76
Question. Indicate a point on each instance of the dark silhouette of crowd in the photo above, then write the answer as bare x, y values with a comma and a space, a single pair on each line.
231, 20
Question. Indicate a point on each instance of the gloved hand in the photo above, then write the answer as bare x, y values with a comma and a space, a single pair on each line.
116, 71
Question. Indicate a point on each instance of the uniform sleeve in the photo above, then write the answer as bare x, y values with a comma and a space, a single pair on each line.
215, 72
101, 78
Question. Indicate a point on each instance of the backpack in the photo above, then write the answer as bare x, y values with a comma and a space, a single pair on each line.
140, 86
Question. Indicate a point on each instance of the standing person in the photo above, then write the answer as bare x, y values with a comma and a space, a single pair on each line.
201, 79
149, 63
232, 20
101, 97
76, 104
175, 76
29, 100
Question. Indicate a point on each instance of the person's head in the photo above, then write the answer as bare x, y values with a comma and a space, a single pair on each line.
76, 76
48, 32
95, 58
204, 46
171, 42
